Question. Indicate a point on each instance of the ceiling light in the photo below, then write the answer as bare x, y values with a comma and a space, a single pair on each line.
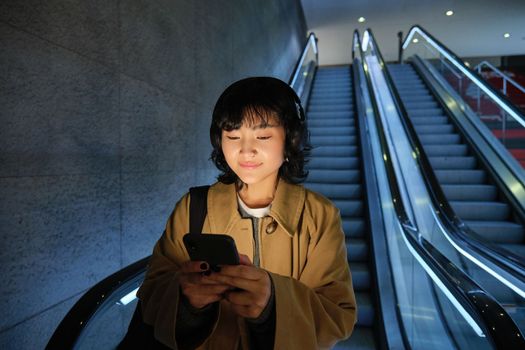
506, 35
415, 41
361, 19
449, 13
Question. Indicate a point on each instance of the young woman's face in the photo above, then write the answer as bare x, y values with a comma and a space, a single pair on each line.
255, 152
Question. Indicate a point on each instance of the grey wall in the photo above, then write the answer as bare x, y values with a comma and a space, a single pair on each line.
105, 110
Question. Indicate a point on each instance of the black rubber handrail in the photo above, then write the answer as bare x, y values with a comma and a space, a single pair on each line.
72, 325
501, 330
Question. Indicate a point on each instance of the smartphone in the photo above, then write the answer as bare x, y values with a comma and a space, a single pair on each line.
215, 249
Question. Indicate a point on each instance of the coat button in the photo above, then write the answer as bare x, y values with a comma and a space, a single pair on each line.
272, 226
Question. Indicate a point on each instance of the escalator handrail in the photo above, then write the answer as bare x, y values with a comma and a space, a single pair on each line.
498, 325
390, 331
496, 95
311, 40
460, 233
73, 324
502, 75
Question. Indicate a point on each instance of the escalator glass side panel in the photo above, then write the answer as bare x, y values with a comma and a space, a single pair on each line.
504, 120
302, 78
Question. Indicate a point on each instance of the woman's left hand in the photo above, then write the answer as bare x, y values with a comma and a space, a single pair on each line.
254, 287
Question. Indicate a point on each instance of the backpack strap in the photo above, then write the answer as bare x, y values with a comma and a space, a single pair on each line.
198, 207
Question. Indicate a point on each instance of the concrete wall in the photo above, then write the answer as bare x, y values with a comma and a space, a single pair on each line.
105, 110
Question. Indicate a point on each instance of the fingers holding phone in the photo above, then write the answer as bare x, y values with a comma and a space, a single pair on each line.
253, 287
198, 289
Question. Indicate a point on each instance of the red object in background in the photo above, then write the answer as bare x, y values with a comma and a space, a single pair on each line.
515, 96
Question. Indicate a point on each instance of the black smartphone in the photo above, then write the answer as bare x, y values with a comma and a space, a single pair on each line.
215, 249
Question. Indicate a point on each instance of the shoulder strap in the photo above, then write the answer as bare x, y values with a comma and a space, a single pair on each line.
198, 207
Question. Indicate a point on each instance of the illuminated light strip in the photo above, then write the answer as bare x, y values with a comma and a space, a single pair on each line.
487, 269
465, 71
128, 298
445, 290
366, 40
296, 75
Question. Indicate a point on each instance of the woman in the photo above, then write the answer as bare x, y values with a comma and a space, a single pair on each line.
293, 288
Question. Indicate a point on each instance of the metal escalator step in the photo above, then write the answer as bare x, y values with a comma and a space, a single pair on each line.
331, 94
406, 80
498, 231
365, 308
334, 151
429, 121
332, 85
480, 211
362, 338
337, 191
330, 121
330, 100
470, 176
334, 175
360, 276
333, 140
357, 251
329, 114
353, 208
442, 163
331, 107
416, 98
353, 227
331, 91
420, 105
446, 139
410, 87
339, 163
434, 129
517, 249
446, 150
404, 76
470, 192
416, 94
425, 112
343, 75
331, 131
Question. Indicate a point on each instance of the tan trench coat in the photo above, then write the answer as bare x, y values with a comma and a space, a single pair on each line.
305, 256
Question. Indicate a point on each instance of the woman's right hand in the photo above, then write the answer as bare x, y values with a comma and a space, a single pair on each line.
199, 290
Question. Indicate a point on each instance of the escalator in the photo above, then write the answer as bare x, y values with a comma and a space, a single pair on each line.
409, 295
335, 171
475, 184
468, 186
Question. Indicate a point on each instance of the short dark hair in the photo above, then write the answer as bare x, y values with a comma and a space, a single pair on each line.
262, 97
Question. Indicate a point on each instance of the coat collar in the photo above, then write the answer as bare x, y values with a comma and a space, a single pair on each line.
286, 209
